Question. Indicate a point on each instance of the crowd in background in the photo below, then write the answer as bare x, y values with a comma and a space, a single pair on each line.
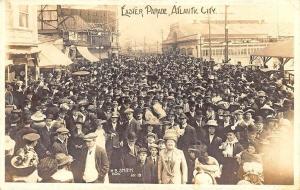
156, 119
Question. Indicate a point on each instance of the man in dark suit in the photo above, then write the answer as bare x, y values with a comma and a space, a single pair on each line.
60, 143
129, 155
187, 134
131, 125
143, 168
113, 130
192, 113
95, 164
212, 141
46, 134
198, 125
152, 161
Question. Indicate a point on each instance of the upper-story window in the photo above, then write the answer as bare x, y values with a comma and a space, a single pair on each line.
23, 16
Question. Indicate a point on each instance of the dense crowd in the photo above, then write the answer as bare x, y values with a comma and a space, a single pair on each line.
166, 119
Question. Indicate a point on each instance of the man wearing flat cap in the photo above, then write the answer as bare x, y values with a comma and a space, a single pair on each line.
60, 144
94, 161
131, 125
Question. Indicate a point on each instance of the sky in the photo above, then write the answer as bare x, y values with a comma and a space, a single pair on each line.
150, 27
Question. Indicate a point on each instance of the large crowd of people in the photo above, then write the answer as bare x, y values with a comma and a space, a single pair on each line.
165, 119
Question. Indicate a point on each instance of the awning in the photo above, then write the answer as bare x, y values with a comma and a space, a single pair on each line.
284, 49
50, 56
24, 51
87, 54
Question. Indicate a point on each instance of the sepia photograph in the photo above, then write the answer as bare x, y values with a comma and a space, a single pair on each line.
124, 93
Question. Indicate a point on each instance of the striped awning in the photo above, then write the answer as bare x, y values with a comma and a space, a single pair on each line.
87, 54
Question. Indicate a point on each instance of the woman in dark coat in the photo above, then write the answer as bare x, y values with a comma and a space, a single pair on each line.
76, 145
230, 148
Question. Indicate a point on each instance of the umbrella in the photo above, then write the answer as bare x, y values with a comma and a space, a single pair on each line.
81, 73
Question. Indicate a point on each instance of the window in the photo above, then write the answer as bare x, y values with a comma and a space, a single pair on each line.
23, 16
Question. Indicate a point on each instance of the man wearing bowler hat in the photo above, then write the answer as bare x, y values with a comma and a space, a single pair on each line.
94, 161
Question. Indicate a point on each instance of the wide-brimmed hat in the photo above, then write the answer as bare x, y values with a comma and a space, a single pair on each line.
171, 134
47, 167
211, 123
31, 137
20, 168
38, 117
63, 159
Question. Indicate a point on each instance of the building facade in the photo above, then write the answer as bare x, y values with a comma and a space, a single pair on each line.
22, 41
206, 39
96, 29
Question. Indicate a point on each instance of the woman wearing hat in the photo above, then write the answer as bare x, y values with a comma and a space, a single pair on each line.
25, 161
63, 174
230, 148
75, 147
206, 164
172, 167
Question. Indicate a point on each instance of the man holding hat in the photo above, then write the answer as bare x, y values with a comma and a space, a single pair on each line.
94, 161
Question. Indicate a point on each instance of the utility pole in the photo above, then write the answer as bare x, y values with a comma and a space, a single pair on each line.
200, 47
209, 39
162, 39
144, 44
226, 37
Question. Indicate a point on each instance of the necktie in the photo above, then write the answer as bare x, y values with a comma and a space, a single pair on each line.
153, 161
